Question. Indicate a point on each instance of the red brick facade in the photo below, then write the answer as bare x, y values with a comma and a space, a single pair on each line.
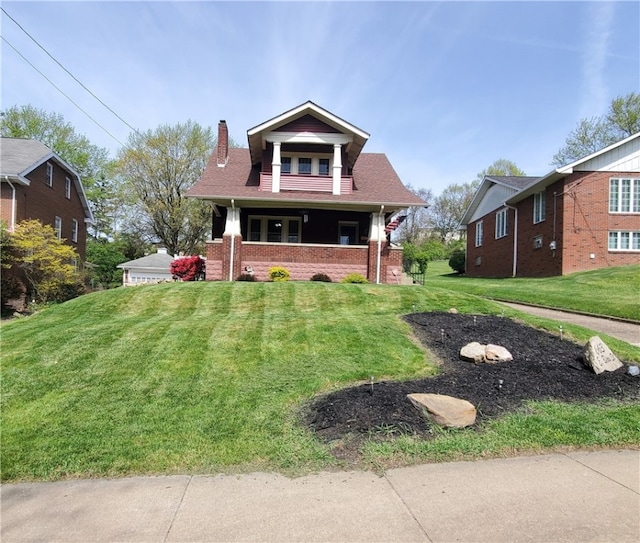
576, 218
302, 261
44, 203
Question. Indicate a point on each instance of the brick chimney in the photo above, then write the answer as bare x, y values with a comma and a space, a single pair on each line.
223, 144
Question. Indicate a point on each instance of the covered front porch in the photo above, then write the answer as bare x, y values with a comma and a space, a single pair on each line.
305, 241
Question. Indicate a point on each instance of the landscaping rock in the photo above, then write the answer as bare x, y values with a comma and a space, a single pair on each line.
453, 311
473, 352
477, 353
444, 410
598, 357
497, 353
634, 371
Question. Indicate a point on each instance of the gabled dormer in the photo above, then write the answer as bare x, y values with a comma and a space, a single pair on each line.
306, 149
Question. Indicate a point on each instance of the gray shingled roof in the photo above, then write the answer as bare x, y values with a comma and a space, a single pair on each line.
18, 155
158, 261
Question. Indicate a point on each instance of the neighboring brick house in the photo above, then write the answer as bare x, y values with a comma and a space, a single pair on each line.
583, 216
36, 183
305, 197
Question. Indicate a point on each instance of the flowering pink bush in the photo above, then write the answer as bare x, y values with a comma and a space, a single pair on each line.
188, 268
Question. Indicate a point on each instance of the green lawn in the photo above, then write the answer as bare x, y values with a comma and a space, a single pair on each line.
613, 292
209, 377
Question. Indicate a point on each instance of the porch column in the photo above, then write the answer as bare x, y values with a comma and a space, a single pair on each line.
275, 167
337, 167
231, 244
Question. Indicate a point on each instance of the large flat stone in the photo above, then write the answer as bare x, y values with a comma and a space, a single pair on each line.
445, 410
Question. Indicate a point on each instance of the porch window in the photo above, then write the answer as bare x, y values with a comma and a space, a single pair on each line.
285, 166
348, 233
274, 229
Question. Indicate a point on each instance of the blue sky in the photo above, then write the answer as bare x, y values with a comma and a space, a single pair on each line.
444, 88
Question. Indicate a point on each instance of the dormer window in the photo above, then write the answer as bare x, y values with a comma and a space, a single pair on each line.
304, 166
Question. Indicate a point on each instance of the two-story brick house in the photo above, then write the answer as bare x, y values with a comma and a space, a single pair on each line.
303, 195
35, 183
583, 216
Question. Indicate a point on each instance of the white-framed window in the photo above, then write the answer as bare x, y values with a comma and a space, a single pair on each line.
307, 164
274, 229
49, 178
539, 205
624, 195
479, 233
624, 240
74, 231
348, 233
501, 223
57, 226
67, 188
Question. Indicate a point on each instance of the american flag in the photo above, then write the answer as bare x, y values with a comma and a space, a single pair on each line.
394, 223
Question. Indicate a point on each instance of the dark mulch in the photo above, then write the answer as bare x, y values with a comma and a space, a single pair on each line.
544, 367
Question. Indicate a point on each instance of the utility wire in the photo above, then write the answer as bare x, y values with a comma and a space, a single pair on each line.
68, 72
60, 90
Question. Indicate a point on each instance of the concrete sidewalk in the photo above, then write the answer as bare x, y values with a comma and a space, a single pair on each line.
574, 497
619, 329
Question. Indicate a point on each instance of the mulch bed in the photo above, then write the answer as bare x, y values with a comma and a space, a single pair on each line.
543, 367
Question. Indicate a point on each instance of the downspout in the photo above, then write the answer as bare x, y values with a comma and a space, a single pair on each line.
380, 218
233, 239
515, 239
13, 204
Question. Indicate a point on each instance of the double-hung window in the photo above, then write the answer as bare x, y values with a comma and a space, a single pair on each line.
57, 226
501, 223
285, 162
479, 233
67, 188
49, 177
74, 231
624, 195
538, 207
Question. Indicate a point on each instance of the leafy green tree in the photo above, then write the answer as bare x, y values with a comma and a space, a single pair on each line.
158, 167
448, 208
102, 258
416, 226
48, 263
502, 166
10, 286
590, 135
91, 162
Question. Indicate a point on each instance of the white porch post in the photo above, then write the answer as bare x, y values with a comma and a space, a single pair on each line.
275, 167
337, 167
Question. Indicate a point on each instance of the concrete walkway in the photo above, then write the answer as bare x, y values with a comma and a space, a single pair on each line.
624, 330
573, 497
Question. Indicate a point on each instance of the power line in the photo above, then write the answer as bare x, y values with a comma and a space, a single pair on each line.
68, 72
60, 90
